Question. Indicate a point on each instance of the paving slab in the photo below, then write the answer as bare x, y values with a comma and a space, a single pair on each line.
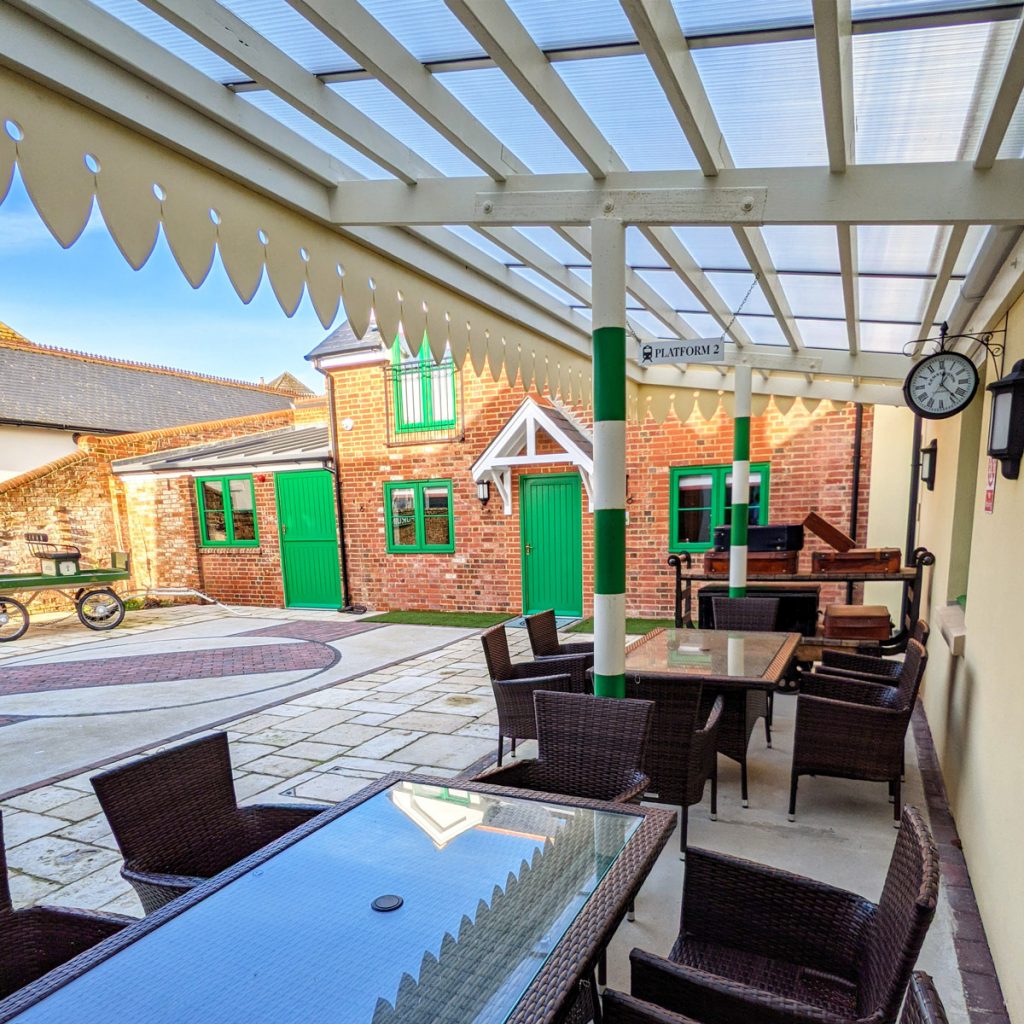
446, 751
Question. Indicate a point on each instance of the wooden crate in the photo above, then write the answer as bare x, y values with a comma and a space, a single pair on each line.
857, 560
831, 535
857, 622
766, 562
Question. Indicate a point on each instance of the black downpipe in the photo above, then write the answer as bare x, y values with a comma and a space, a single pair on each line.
346, 593
858, 441
915, 482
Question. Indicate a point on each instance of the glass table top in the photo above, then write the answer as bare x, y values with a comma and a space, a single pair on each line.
489, 884
706, 652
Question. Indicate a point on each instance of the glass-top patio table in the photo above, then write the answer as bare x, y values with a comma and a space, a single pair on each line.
507, 899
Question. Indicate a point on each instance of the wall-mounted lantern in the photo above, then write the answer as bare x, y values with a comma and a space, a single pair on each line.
929, 457
483, 491
1006, 425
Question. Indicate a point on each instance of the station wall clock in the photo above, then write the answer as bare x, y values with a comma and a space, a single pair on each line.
941, 385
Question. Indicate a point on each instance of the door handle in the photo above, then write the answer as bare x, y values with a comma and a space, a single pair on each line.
529, 550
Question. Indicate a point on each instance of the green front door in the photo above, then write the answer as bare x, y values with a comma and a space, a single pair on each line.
309, 539
551, 527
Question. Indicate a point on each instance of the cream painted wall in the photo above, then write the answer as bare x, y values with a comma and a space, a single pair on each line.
975, 704
891, 451
25, 448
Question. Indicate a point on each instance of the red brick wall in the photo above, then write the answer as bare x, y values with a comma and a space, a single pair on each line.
810, 456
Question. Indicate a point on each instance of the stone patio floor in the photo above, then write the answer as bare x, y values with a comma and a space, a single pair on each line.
434, 713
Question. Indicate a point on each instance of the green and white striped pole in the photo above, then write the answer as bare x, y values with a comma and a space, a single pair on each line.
608, 257
740, 483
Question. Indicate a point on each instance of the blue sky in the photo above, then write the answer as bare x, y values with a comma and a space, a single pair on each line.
88, 298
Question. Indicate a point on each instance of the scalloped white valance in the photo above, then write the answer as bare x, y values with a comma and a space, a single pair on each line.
70, 157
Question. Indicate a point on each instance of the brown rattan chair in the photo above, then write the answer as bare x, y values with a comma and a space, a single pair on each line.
542, 629
36, 940
760, 944
591, 747
515, 684
682, 753
619, 1008
854, 729
922, 1005
176, 820
866, 666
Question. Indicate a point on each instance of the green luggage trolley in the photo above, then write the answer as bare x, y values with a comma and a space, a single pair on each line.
89, 590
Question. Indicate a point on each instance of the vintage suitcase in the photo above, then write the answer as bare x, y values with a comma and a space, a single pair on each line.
765, 562
798, 605
857, 622
831, 535
784, 537
857, 560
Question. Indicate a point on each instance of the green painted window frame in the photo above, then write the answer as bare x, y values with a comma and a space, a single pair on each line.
429, 374
229, 519
420, 545
719, 509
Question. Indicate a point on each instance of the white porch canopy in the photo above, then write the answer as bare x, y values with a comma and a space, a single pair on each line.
515, 445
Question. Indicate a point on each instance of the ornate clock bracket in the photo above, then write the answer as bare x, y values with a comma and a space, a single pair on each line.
946, 342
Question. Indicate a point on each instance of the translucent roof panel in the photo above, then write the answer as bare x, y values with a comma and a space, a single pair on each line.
734, 289
704, 324
898, 8
886, 337
923, 94
893, 298
711, 17
823, 333
286, 29
1013, 143
395, 117
553, 244
813, 295
767, 98
897, 249
949, 297
640, 252
574, 23
585, 275
483, 244
154, 28
969, 250
426, 28
765, 330
613, 90
302, 125
713, 247
800, 247
542, 282
668, 285
650, 323
495, 101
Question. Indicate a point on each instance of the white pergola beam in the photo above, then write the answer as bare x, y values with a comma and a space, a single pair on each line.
1005, 103
846, 242
954, 243
351, 27
833, 37
504, 38
233, 39
755, 249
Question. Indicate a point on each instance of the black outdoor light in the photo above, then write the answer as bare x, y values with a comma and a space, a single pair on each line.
929, 456
1006, 425
483, 491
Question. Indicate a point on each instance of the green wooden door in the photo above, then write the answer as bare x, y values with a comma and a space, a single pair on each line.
551, 528
309, 539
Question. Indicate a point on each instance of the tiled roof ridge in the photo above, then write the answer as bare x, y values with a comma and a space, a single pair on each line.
131, 364
13, 338
84, 440
71, 459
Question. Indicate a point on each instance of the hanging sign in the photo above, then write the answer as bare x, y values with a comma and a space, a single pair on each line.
694, 350
990, 485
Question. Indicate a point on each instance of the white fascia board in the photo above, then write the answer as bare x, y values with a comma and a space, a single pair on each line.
224, 469
351, 362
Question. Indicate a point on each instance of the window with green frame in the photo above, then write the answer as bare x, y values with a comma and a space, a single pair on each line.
701, 499
227, 512
419, 516
424, 391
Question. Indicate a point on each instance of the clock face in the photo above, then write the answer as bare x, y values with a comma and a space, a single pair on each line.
941, 385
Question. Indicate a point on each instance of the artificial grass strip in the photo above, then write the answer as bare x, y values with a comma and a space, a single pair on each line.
471, 620
635, 626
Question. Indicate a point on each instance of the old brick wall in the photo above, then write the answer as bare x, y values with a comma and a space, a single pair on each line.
810, 455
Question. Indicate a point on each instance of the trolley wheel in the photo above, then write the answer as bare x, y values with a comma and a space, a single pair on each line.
100, 609
13, 619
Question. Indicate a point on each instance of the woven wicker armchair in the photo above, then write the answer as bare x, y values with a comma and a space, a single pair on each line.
515, 684
591, 747
682, 753
922, 1005
176, 820
759, 944
36, 940
854, 729
543, 632
865, 665
619, 1008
